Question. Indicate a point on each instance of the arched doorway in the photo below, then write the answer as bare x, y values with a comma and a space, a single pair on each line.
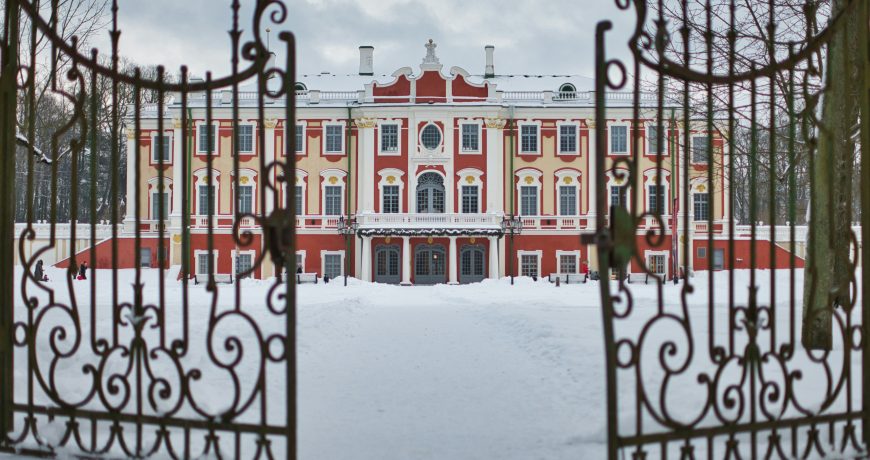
430, 193
429, 264
387, 265
472, 265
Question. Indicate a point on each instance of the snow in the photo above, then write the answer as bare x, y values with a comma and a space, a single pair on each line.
429, 372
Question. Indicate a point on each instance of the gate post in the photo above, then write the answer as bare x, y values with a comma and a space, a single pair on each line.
8, 139
864, 103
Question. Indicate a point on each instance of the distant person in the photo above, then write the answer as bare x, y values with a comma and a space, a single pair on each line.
299, 269
39, 273
584, 268
83, 271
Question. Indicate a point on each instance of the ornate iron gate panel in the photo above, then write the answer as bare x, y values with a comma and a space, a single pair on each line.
712, 363
138, 361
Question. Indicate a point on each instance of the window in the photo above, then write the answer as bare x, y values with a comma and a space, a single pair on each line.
299, 197
657, 199
567, 200
332, 200
332, 265
470, 199
656, 263
246, 199
529, 139
390, 138
204, 264
567, 263
701, 206
567, 90
246, 138
300, 260
243, 264
161, 148
391, 199
567, 139
430, 137
702, 252
207, 138
528, 200
158, 212
300, 135
529, 265
470, 138
652, 139
699, 149
618, 139
718, 259
145, 257
334, 138
206, 200
617, 196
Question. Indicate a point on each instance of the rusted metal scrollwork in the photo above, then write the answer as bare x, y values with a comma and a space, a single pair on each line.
719, 372
131, 371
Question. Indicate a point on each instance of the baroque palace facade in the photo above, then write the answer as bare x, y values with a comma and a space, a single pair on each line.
430, 165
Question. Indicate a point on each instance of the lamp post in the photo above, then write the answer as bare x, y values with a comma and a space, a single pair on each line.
347, 227
512, 225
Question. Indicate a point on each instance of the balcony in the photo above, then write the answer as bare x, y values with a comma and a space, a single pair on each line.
421, 221
555, 223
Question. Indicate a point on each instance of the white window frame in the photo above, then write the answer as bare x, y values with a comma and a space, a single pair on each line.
610, 127
647, 256
253, 139
252, 182
325, 175
304, 126
649, 178
201, 175
343, 127
663, 139
301, 252
575, 182
537, 253
300, 181
522, 182
576, 126
323, 254
217, 138
204, 252
462, 180
169, 137
479, 126
692, 149
560, 253
709, 206
397, 174
249, 252
399, 128
440, 146
520, 125
154, 203
611, 182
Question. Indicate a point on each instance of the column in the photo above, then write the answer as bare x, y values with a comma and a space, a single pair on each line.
591, 193
453, 262
269, 153
366, 259
177, 174
406, 261
132, 205
494, 165
366, 164
493, 257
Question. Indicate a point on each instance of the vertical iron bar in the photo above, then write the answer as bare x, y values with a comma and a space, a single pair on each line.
864, 49
290, 282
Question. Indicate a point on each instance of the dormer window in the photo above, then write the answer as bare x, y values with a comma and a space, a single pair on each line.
567, 91
300, 86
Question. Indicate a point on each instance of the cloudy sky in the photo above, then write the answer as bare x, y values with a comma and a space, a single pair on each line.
539, 36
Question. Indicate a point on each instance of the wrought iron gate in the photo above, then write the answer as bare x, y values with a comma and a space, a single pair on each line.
128, 364
712, 366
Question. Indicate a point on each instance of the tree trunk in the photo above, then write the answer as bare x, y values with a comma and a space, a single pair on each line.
826, 282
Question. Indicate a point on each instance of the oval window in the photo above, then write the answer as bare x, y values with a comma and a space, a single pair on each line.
431, 137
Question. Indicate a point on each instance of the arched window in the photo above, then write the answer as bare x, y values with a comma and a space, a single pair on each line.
430, 193
300, 86
567, 91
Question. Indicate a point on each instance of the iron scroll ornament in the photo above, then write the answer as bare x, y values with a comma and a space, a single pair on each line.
144, 364
751, 400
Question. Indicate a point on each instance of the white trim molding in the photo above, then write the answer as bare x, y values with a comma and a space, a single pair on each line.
559, 125
560, 253
391, 176
537, 253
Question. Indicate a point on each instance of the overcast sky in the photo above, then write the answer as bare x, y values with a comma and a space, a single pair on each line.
530, 37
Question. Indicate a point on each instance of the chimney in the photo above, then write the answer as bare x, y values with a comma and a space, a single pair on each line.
489, 72
366, 60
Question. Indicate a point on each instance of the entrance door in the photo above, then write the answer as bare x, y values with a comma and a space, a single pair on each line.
471, 264
387, 265
429, 263
430, 193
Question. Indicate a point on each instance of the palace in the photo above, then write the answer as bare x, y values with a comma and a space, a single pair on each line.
434, 177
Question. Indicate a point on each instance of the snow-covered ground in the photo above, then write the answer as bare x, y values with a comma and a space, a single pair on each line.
438, 372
